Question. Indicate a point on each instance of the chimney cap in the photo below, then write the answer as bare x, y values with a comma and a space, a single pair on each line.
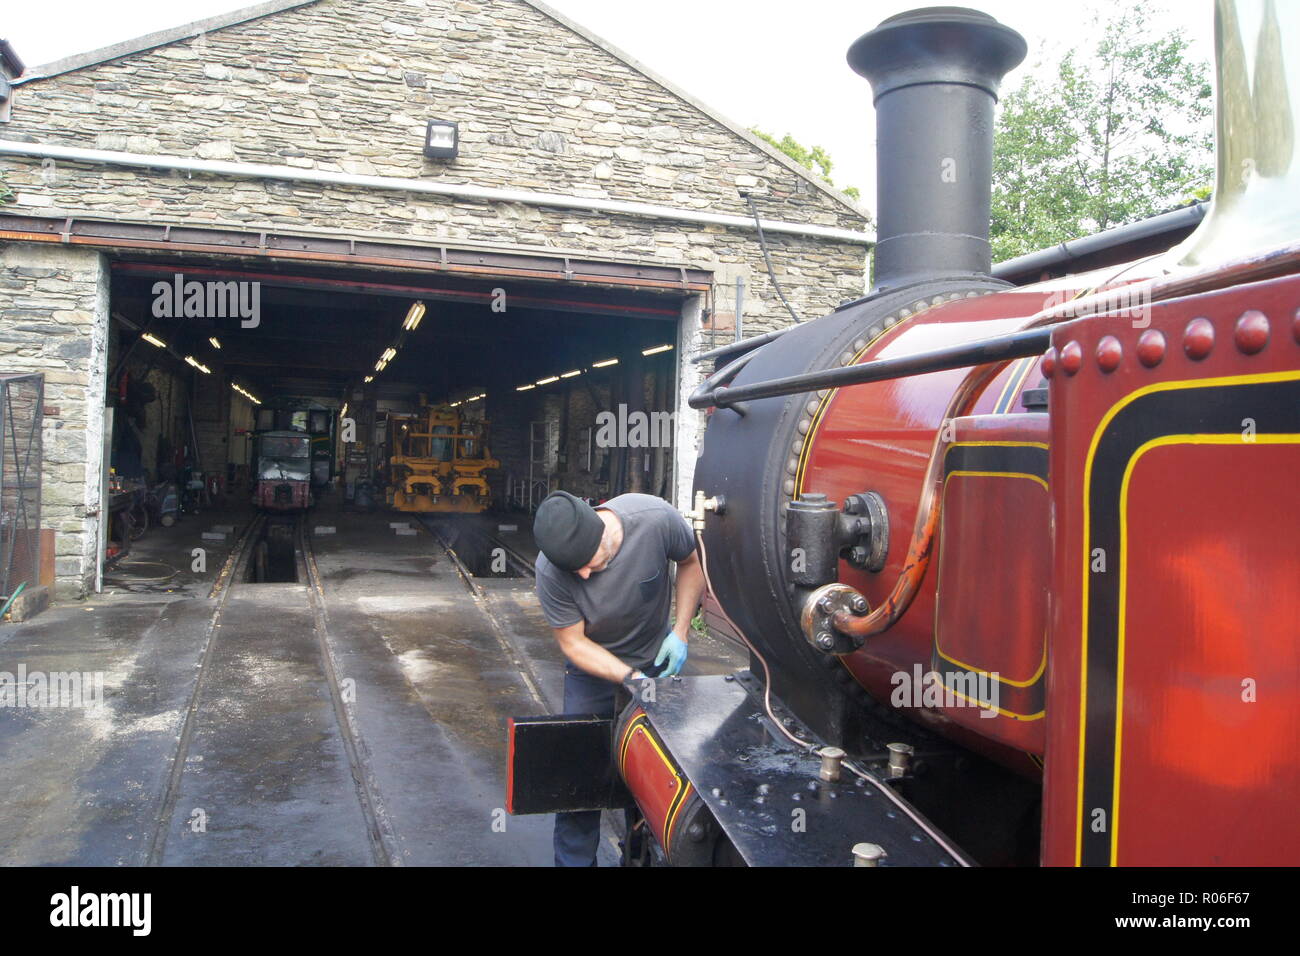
937, 45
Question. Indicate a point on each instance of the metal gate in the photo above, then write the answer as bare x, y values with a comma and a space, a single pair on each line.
22, 398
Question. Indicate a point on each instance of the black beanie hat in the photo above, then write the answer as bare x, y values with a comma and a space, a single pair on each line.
567, 530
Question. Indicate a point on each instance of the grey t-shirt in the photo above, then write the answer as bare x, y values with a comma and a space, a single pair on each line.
625, 607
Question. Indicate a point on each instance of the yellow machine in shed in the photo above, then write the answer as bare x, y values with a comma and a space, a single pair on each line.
438, 463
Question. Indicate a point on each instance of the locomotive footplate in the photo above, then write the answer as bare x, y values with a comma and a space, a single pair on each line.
765, 793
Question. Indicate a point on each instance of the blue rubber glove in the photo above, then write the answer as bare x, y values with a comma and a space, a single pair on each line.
673, 650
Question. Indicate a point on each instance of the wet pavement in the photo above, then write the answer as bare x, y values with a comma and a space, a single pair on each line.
272, 726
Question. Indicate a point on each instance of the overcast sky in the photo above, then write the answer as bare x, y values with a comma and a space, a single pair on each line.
776, 64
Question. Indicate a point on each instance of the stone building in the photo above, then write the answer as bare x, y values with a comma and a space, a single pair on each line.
284, 146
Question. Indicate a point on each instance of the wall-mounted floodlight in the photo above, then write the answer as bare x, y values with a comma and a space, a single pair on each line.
441, 140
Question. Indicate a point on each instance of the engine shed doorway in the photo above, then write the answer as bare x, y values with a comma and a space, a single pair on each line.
575, 385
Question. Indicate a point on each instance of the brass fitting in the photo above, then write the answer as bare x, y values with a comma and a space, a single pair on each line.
704, 504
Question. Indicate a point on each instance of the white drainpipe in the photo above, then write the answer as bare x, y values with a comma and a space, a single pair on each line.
258, 171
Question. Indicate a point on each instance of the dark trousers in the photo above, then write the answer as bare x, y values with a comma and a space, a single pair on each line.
577, 835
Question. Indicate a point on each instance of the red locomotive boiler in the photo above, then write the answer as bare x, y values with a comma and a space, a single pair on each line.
1016, 566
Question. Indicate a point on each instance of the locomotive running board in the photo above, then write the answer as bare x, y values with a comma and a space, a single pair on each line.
765, 793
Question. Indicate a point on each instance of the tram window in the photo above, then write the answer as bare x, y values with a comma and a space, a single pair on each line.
319, 422
285, 447
298, 421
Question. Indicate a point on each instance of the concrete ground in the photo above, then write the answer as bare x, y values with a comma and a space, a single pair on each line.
239, 732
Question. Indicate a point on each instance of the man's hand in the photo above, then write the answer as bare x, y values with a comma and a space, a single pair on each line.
673, 649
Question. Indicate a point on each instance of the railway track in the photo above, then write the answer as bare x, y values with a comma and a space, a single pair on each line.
270, 745
379, 829
221, 589
518, 562
483, 544
247, 567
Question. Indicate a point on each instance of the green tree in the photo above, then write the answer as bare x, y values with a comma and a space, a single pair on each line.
815, 159
1122, 130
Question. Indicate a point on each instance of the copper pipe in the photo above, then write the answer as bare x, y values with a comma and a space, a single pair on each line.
1251, 268
811, 746
927, 519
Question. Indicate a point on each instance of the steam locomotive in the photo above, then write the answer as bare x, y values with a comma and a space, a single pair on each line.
1016, 566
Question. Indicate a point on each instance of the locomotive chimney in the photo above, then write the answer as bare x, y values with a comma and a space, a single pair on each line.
935, 75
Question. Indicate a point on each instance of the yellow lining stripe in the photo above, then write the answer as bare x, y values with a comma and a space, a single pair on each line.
1031, 363
641, 723
943, 511
939, 577
1010, 383
984, 705
991, 474
632, 724
1019, 372
673, 812
1231, 439
1106, 419
1001, 680
817, 416
997, 444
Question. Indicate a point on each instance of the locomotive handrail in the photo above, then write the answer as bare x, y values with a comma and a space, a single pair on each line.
999, 348
1031, 340
744, 345
1281, 261
717, 380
